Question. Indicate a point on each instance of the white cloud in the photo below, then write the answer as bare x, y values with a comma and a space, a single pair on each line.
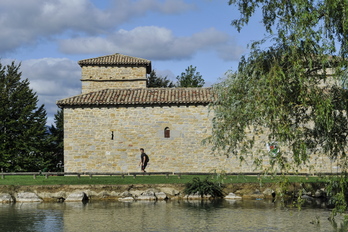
230, 52
93, 27
52, 79
25, 22
140, 7
155, 43
166, 73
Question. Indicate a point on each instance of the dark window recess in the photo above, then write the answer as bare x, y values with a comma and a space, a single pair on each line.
166, 132
112, 135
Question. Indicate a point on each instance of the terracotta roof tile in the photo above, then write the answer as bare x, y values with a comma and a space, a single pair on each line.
116, 59
144, 96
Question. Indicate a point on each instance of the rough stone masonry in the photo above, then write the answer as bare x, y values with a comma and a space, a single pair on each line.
116, 115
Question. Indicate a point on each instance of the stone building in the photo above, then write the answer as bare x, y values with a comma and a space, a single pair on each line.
116, 114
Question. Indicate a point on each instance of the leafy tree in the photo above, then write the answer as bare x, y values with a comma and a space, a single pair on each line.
291, 88
56, 142
190, 78
23, 135
153, 81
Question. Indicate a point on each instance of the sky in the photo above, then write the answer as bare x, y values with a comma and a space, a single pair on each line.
49, 37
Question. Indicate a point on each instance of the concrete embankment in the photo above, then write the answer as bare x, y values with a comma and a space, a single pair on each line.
54, 193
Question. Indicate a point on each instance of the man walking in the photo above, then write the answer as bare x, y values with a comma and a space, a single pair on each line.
144, 159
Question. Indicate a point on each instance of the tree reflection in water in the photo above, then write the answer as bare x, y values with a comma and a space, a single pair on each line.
172, 215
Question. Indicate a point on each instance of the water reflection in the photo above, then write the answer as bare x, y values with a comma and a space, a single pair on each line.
219, 215
30, 217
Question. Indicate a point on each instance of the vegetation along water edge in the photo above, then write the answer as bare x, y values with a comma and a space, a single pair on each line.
20, 188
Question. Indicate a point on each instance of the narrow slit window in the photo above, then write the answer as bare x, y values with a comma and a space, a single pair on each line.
166, 132
112, 135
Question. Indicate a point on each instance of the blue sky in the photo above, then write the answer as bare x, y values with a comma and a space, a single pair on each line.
48, 37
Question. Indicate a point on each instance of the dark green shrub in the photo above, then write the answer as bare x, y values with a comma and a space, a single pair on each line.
205, 187
337, 192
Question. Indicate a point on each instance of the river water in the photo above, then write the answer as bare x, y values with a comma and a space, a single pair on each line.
173, 215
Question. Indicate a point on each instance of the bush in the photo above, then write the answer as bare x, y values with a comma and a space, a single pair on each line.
205, 187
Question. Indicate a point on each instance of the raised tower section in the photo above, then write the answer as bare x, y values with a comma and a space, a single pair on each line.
115, 71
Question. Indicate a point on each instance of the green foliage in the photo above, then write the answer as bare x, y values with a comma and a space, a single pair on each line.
56, 143
23, 136
153, 81
291, 88
290, 91
205, 187
318, 26
288, 106
190, 78
337, 189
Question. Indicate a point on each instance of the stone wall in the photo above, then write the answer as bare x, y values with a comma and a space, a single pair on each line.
108, 140
93, 85
96, 78
62, 193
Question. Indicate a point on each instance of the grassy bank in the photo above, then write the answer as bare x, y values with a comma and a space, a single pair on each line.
153, 179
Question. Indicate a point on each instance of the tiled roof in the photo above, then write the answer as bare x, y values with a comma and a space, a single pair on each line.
144, 96
116, 59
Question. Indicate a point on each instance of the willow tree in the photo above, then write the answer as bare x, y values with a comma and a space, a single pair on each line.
290, 86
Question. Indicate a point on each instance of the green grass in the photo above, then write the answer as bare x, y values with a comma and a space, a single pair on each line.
153, 179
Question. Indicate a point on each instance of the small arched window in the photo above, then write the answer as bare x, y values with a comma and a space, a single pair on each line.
166, 132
